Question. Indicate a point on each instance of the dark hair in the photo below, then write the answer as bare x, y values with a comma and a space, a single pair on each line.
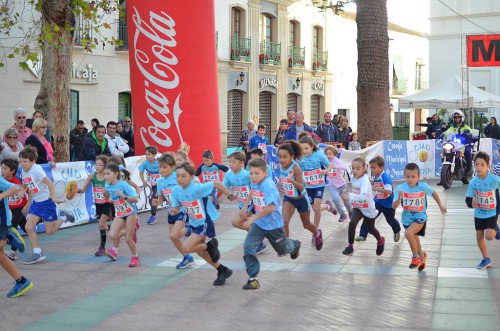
114, 167
36, 112
152, 149
29, 152
100, 127
293, 148
258, 163
257, 151
412, 166
494, 118
208, 154
261, 126
80, 122
284, 121
188, 167
238, 155
378, 160
103, 157
167, 158
482, 155
95, 120
110, 123
118, 159
428, 119
12, 164
308, 140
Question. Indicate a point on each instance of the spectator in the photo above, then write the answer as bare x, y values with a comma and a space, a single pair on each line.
492, 130
116, 144
246, 135
36, 114
76, 139
11, 148
95, 144
128, 135
280, 136
260, 140
119, 129
435, 128
290, 116
344, 132
40, 142
297, 127
328, 131
94, 123
20, 125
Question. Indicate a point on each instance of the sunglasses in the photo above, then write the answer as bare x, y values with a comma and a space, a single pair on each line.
21, 118
127, 121
10, 137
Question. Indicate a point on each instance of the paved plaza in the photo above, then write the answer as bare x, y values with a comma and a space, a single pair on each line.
325, 290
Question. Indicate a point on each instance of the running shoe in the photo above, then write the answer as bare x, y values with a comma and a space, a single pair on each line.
359, 238
135, 262
20, 289
222, 276
17, 241
12, 255
217, 206
260, 249
35, 258
186, 262
66, 216
380, 246
343, 218
319, 240
112, 254
331, 208
152, 220
252, 285
348, 250
485, 263
212, 250
100, 252
415, 263
397, 236
422, 265
296, 253
313, 240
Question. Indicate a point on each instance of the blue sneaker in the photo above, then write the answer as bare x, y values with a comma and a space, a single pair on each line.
20, 289
497, 236
152, 220
485, 263
260, 249
17, 241
186, 261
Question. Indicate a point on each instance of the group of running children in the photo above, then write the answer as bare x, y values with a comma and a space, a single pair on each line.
304, 172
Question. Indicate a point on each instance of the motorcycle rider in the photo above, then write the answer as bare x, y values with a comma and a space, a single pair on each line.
460, 128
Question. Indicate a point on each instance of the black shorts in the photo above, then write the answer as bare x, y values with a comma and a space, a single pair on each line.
4, 231
420, 233
486, 223
18, 219
315, 193
103, 209
301, 204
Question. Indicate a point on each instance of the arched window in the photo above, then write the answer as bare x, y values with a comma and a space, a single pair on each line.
234, 117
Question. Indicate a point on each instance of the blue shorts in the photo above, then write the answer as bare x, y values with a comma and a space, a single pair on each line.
315, 193
207, 229
422, 231
301, 204
179, 217
46, 210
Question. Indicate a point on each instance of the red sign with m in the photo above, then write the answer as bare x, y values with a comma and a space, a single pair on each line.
483, 50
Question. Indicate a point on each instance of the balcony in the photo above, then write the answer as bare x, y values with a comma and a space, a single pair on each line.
399, 87
270, 53
320, 60
122, 34
420, 86
83, 31
296, 57
240, 49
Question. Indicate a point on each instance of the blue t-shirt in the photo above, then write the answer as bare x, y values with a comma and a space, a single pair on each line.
238, 183
210, 174
165, 186
269, 171
123, 207
5, 213
414, 202
194, 199
258, 142
152, 171
485, 193
311, 169
265, 194
385, 182
288, 188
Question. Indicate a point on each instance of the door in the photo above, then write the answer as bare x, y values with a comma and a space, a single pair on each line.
291, 102
265, 110
315, 109
234, 117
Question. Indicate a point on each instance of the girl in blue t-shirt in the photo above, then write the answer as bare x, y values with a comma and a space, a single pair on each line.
150, 165
194, 198
124, 198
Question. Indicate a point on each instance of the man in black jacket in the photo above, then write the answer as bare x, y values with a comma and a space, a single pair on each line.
95, 144
435, 128
76, 138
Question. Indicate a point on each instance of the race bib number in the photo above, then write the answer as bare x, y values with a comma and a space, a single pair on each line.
380, 185
262, 147
15, 200
286, 186
167, 195
194, 209
258, 201
414, 202
362, 203
332, 173
241, 193
122, 208
314, 177
486, 200
30, 184
153, 178
210, 176
98, 194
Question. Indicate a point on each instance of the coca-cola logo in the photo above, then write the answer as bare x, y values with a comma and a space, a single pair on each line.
156, 64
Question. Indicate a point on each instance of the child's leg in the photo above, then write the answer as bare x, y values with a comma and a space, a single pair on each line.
103, 226
389, 214
130, 228
7, 264
363, 232
154, 191
356, 216
305, 217
370, 224
17, 219
481, 243
52, 227
213, 196
239, 220
413, 240
334, 193
281, 244
317, 208
347, 202
419, 246
115, 232
30, 230
252, 241
176, 233
288, 211
196, 244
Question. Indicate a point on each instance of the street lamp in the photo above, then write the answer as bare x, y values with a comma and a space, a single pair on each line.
297, 84
242, 78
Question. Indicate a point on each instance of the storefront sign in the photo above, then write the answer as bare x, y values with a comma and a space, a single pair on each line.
88, 73
272, 82
318, 86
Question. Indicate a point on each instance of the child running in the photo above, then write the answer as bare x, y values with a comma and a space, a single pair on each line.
363, 206
264, 221
150, 165
412, 195
210, 172
257, 153
315, 166
292, 186
176, 224
382, 186
483, 196
336, 183
124, 198
103, 207
18, 204
194, 198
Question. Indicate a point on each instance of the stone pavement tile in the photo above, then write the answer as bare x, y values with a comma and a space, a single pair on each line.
460, 263
464, 283
398, 319
464, 322
344, 302
335, 317
458, 307
464, 294
327, 327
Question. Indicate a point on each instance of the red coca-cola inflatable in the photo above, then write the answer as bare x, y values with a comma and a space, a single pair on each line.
173, 73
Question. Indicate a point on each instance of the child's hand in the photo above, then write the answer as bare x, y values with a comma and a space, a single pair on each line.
345, 196
155, 202
249, 221
174, 211
25, 210
443, 209
400, 195
144, 184
372, 181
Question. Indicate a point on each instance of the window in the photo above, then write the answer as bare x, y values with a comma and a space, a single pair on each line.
75, 108
122, 26
236, 22
402, 119
418, 75
342, 112
292, 33
124, 105
265, 28
318, 38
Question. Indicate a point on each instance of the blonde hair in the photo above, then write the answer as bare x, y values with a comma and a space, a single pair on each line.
37, 123
332, 149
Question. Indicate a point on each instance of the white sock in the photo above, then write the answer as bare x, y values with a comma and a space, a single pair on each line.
37, 250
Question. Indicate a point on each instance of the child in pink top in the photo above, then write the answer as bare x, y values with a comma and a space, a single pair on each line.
336, 183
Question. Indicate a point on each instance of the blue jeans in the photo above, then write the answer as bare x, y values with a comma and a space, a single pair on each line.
389, 215
335, 193
281, 244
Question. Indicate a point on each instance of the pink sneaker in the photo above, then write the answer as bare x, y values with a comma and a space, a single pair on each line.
331, 208
135, 262
111, 253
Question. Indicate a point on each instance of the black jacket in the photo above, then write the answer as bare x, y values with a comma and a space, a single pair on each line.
76, 140
91, 149
34, 141
492, 131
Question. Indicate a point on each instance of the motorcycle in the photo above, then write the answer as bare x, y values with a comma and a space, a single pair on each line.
453, 159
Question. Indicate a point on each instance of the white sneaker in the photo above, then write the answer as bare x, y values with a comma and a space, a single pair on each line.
11, 255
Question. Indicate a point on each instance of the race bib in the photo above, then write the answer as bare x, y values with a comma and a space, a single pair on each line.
167, 195
485, 200
258, 201
314, 177
332, 173
122, 208
414, 202
15, 200
153, 178
361, 203
287, 186
98, 194
241, 193
194, 209
210, 176
30, 184
262, 147
380, 185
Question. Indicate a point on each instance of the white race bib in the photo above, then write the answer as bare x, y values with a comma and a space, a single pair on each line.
380, 185
167, 195
153, 178
314, 177
194, 209
30, 184
98, 194
210, 176
258, 201
286, 186
122, 208
485, 200
414, 202
241, 193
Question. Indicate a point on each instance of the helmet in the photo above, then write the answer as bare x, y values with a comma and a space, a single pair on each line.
458, 113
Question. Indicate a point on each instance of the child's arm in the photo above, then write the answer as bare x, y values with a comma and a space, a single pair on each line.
438, 201
381, 189
142, 179
397, 202
198, 171
52, 191
298, 182
158, 201
135, 186
222, 167
221, 187
10, 192
26, 208
266, 211
127, 197
87, 182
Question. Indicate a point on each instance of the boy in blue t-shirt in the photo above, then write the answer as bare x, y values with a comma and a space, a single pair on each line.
483, 196
412, 195
257, 153
260, 140
382, 186
265, 222
150, 165
210, 172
